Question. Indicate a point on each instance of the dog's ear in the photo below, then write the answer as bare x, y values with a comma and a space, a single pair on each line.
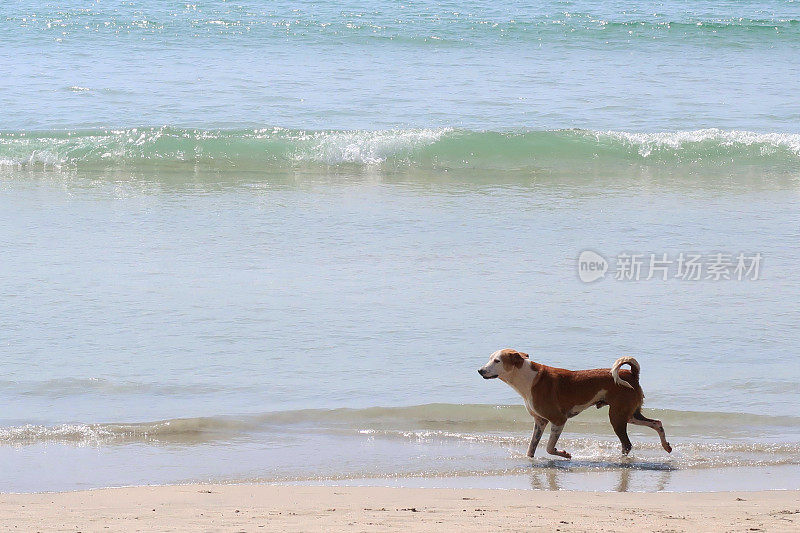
517, 359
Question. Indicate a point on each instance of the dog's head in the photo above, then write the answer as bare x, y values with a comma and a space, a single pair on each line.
502, 363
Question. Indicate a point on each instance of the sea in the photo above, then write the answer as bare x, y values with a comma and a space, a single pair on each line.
273, 242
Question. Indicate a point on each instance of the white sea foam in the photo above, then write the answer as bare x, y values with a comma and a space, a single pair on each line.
647, 143
78, 434
363, 147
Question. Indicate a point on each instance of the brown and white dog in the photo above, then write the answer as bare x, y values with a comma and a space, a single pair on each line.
552, 395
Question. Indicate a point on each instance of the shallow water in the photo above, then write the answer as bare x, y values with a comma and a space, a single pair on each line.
132, 300
440, 445
297, 277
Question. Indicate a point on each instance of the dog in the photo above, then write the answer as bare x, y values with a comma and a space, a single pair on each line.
553, 395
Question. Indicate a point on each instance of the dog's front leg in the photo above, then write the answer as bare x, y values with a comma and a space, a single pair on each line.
555, 432
538, 431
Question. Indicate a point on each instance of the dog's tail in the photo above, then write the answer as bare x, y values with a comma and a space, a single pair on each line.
635, 368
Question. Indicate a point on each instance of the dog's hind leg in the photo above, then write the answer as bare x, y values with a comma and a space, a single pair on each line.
640, 420
538, 430
619, 421
555, 432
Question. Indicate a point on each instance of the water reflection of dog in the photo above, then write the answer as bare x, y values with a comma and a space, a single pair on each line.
556, 475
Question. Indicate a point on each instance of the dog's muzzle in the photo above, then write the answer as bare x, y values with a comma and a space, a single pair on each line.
484, 375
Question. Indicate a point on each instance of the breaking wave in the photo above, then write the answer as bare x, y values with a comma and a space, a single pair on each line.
478, 423
444, 148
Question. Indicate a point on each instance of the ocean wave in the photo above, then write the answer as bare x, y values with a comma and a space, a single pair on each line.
709, 140
501, 425
180, 430
231, 149
442, 148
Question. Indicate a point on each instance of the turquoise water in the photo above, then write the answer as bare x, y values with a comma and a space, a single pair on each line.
275, 243
645, 66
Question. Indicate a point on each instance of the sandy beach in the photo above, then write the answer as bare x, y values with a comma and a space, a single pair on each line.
296, 508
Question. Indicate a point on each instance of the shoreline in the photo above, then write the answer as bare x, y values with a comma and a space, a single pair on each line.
342, 508
460, 446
